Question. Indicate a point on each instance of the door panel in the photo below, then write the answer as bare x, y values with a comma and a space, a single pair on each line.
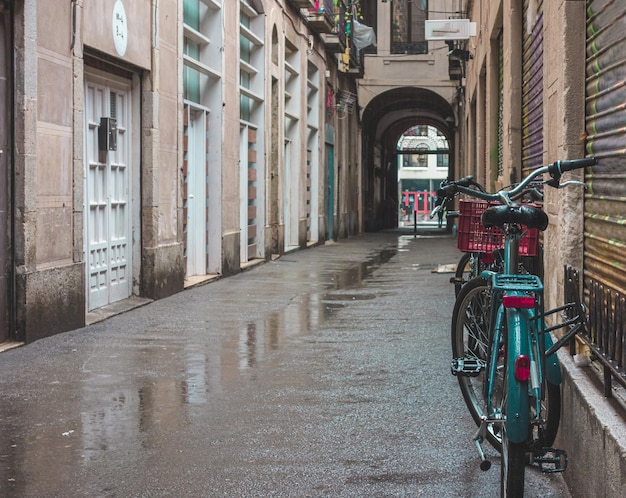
330, 194
196, 194
107, 195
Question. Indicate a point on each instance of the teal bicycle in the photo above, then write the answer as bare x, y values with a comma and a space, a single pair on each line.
503, 354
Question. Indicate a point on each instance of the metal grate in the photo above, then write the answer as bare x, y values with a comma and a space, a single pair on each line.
606, 310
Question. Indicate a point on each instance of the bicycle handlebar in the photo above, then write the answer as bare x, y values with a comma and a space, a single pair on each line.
560, 167
555, 170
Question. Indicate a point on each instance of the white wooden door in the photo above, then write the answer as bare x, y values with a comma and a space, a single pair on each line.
107, 195
290, 197
287, 207
196, 194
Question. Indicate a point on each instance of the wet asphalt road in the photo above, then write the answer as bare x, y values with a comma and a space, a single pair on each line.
324, 373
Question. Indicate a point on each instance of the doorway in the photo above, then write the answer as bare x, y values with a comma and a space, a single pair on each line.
330, 193
196, 193
108, 176
290, 197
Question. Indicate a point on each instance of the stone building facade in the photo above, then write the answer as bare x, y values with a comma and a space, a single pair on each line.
152, 144
94, 207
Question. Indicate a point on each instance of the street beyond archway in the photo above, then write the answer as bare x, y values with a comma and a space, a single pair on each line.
323, 373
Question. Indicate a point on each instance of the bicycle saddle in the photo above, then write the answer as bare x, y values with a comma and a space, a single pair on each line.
531, 217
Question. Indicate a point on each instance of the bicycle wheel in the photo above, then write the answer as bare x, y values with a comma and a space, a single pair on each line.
463, 270
513, 461
470, 265
470, 339
551, 407
512, 468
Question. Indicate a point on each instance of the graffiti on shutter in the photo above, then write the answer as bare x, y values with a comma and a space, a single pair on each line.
605, 199
500, 104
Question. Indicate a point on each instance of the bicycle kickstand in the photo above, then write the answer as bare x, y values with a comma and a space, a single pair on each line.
485, 464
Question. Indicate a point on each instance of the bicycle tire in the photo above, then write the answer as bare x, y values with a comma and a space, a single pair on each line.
552, 407
550, 411
515, 399
470, 332
527, 437
462, 273
512, 468
470, 266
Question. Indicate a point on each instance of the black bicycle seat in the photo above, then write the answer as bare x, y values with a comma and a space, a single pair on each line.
530, 216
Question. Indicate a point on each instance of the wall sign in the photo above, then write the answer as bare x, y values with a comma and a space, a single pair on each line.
120, 28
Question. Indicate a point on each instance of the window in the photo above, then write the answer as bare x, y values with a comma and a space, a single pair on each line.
202, 57
407, 27
251, 61
419, 142
442, 158
422, 156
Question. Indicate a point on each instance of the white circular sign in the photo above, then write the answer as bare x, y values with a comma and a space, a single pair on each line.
120, 27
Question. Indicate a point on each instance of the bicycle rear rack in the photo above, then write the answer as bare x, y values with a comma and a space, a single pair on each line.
503, 282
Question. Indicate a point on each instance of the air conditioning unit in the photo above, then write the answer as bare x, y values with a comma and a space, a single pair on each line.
450, 29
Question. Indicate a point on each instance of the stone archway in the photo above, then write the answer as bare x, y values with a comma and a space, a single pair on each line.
385, 119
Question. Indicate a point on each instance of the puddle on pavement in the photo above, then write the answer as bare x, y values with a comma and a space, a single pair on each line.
125, 396
354, 276
310, 310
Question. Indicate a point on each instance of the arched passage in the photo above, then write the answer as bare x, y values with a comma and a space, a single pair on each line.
386, 117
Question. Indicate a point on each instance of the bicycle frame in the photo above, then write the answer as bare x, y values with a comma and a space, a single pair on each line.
518, 340
524, 335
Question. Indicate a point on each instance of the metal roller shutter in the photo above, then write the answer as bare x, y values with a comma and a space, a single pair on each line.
532, 86
605, 200
500, 105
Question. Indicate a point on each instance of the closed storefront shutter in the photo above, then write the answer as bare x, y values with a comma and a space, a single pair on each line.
605, 200
532, 90
500, 105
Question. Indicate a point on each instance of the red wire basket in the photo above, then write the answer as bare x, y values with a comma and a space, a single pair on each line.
474, 237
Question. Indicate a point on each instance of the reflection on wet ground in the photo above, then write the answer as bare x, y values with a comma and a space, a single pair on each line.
242, 384
310, 309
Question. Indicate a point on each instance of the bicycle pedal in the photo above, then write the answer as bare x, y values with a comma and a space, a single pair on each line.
551, 461
456, 280
467, 367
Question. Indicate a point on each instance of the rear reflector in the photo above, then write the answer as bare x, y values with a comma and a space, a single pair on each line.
522, 368
518, 302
